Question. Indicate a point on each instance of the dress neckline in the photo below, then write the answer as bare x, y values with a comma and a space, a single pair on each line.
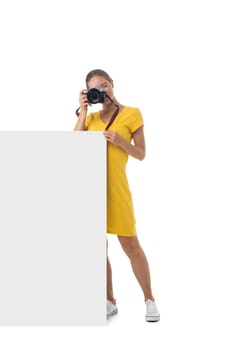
106, 123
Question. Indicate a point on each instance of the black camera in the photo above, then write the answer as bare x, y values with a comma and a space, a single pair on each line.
95, 95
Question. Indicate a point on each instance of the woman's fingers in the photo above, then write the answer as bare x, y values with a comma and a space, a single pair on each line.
83, 102
112, 136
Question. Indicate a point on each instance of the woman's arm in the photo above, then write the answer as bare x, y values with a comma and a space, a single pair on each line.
83, 102
80, 125
136, 150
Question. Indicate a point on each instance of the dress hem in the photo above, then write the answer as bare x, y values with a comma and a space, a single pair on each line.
122, 234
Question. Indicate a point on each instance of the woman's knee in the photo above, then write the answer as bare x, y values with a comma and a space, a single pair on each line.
130, 246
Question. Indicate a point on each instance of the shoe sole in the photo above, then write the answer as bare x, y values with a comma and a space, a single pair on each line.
112, 314
152, 318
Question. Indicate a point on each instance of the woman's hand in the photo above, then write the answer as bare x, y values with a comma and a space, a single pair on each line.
83, 102
137, 150
81, 112
113, 137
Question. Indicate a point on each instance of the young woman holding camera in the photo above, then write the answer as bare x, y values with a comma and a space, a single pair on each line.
120, 125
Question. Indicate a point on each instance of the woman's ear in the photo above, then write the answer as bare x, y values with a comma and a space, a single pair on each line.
112, 83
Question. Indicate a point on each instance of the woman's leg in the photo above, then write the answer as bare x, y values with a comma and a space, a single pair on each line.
139, 263
110, 295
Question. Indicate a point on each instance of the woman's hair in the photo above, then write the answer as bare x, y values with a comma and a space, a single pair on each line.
98, 72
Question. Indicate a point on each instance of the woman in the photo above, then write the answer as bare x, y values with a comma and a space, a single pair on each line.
126, 127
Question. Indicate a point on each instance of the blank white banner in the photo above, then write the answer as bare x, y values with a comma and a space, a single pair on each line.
52, 228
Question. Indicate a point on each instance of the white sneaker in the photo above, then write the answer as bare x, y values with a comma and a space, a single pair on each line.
152, 314
111, 309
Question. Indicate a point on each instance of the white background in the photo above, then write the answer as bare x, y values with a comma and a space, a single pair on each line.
173, 59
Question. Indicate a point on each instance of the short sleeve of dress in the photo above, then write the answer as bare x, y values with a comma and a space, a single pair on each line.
88, 121
136, 120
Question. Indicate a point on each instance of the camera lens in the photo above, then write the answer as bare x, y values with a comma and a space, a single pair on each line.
95, 96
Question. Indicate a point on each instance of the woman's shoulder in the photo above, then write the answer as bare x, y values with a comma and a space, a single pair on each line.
132, 110
132, 117
92, 118
93, 115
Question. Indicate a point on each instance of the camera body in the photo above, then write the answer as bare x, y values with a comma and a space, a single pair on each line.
95, 95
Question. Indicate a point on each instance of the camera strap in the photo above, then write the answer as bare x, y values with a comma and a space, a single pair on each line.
114, 114
113, 117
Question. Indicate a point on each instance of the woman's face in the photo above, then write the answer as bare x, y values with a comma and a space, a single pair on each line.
99, 82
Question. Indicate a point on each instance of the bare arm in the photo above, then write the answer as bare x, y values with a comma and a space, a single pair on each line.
136, 150
80, 125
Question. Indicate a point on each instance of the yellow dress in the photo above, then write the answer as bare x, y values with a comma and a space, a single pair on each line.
120, 212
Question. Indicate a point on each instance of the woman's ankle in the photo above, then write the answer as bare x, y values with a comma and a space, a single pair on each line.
112, 300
